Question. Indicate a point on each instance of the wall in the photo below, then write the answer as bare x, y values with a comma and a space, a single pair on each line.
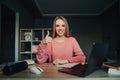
25, 18
111, 20
119, 7
0, 31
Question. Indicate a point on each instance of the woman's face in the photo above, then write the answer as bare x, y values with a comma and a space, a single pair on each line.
60, 27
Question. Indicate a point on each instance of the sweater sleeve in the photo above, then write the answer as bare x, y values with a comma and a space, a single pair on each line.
41, 54
78, 53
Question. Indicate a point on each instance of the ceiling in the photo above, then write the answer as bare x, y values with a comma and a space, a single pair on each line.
67, 7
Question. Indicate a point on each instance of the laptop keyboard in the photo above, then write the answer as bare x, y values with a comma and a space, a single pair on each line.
78, 69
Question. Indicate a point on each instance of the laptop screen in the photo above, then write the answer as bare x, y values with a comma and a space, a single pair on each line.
96, 58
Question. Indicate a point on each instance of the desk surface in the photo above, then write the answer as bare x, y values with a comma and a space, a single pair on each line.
51, 72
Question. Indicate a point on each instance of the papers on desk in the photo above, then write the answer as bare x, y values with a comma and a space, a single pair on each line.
30, 62
68, 65
113, 71
114, 65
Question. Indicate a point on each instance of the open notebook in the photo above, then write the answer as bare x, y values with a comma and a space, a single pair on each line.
68, 65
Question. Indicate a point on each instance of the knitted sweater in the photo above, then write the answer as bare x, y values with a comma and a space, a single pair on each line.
68, 49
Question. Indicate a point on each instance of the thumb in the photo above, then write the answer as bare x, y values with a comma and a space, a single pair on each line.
48, 33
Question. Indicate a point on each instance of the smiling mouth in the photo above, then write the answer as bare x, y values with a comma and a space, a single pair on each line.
60, 31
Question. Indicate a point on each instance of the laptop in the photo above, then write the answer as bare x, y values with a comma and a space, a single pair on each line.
95, 61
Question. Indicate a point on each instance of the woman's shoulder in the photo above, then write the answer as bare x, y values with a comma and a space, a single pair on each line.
71, 38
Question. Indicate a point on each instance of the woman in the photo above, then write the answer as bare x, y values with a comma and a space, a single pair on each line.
61, 48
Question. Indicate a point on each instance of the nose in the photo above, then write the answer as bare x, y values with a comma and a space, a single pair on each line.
60, 27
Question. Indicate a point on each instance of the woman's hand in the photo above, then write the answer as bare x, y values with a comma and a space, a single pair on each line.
47, 38
60, 61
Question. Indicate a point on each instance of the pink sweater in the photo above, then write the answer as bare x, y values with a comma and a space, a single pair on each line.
60, 50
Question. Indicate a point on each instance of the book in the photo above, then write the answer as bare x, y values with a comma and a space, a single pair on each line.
112, 65
113, 71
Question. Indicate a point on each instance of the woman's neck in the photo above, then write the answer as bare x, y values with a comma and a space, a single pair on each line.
60, 38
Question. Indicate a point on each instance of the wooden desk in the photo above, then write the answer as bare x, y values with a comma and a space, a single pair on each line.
51, 72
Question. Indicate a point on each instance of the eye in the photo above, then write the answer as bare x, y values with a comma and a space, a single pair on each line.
57, 25
63, 25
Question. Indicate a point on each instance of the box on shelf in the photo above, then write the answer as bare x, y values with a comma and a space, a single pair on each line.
34, 48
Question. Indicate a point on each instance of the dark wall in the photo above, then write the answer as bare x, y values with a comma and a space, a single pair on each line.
7, 35
26, 20
119, 7
111, 21
0, 28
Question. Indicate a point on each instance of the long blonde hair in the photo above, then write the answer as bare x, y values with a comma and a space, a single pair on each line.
67, 32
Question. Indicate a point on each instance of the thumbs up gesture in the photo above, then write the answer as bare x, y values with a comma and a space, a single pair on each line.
47, 38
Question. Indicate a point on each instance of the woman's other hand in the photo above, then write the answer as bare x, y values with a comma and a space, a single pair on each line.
60, 61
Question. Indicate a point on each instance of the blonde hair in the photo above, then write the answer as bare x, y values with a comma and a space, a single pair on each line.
67, 32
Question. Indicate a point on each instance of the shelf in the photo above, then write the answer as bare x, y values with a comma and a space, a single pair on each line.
25, 52
29, 41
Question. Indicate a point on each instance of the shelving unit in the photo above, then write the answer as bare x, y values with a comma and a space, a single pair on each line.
29, 40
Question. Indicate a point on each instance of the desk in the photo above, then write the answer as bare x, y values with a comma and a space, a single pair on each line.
51, 73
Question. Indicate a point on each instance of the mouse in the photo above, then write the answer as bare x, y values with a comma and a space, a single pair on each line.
36, 70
